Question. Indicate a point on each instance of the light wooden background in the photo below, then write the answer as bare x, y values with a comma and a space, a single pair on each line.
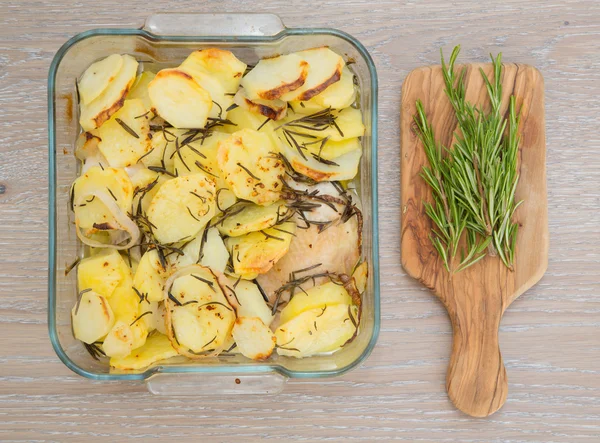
550, 337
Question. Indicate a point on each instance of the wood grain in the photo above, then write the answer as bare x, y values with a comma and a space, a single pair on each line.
477, 297
550, 337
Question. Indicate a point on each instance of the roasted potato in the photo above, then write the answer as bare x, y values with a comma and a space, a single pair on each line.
178, 99
338, 95
124, 138
253, 338
150, 277
157, 347
92, 317
221, 64
255, 253
272, 109
246, 160
182, 207
98, 77
103, 272
249, 301
139, 90
273, 77
324, 69
252, 218
111, 98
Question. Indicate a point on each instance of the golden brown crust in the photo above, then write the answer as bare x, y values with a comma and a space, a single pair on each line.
107, 113
310, 93
267, 111
277, 92
311, 173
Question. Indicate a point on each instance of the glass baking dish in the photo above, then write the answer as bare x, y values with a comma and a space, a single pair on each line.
165, 40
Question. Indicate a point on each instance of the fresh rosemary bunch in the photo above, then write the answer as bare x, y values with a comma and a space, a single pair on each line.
473, 183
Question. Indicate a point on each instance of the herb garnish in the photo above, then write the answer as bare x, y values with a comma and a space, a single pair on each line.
127, 128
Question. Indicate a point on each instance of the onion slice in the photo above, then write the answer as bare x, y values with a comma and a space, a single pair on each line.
124, 223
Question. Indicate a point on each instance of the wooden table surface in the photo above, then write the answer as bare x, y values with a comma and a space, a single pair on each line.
550, 336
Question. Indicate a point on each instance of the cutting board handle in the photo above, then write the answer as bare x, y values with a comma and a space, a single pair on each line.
476, 379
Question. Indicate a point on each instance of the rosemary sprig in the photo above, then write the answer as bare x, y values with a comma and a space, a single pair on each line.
474, 183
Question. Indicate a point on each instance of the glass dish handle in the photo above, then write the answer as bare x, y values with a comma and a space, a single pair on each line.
213, 25
215, 384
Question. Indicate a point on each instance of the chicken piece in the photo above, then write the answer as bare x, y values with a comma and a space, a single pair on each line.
336, 247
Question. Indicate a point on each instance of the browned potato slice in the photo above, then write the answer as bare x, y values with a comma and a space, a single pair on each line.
157, 347
219, 63
253, 338
252, 218
102, 273
140, 89
324, 69
273, 77
177, 98
99, 110
249, 167
257, 252
273, 109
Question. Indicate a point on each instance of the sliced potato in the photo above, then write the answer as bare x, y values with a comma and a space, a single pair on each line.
125, 303
245, 119
339, 95
327, 294
316, 331
324, 69
215, 254
102, 273
182, 207
273, 77
140, 90
220, 99
252, 218
249, 167
162, 148
92, 211
150, 277
253, 338
272, 109
92, 317
198, 311
146, 184
257, 252
98, 76
200, 156
219, 63
331, 150
119, 341
124, 138
360, 276
177, 98
99, 110
250, 302
157, 347
86, 146
345, 167
348, 120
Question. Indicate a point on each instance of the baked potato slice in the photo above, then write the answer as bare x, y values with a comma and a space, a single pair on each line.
92, 318
178, 99
124, 137
339, 95
219, 63
348, 120
162, 149
327, 294
273, 77
103, 273
316, 331
157, 347
101, 108
254, 339
255, 253
249, 167
98, 77
139, 90
324, 69
150, 277
344, 167
330, 150
182, 207
214, 254
249, 301
252, 218
89, 210
245, 119
272, 109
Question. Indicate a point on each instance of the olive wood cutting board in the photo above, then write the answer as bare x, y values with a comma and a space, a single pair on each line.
476, 298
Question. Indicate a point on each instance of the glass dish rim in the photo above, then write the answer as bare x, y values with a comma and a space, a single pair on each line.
239, 369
